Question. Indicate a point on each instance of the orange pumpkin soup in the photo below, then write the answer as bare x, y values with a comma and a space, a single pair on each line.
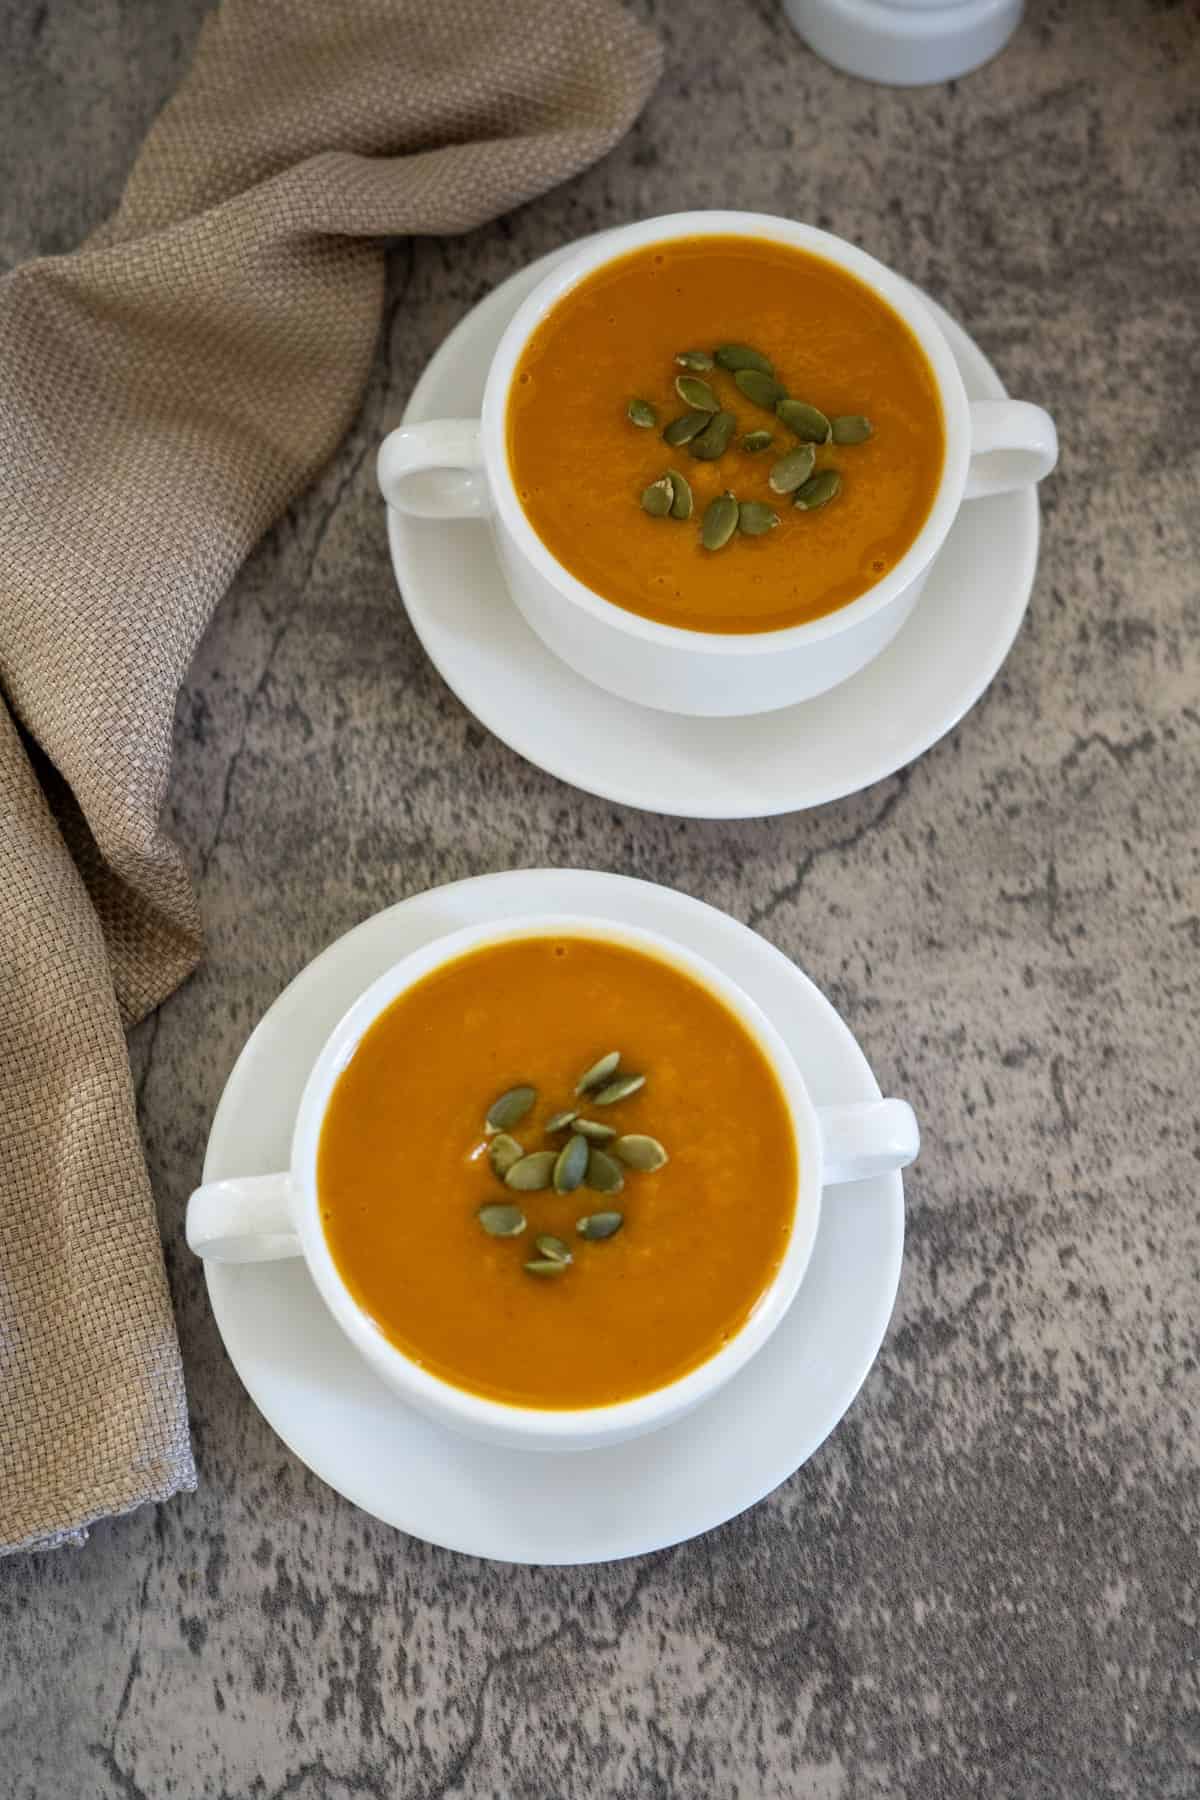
405, 1171
580, 464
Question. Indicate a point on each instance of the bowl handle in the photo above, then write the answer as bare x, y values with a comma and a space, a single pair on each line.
1013, 445
870, 1138
245, 1219
435, 471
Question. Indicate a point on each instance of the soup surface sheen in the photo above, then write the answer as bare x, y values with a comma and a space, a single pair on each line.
579, 466
403, 1170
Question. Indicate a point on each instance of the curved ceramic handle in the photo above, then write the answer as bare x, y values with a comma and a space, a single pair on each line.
1013, 444
435, 471
870, 1138
245, 1219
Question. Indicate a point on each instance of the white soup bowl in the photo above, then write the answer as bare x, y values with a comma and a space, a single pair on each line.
458, 469
265, 1217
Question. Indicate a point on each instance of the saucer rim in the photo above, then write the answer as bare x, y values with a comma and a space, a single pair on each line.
221, 1280
1024, 545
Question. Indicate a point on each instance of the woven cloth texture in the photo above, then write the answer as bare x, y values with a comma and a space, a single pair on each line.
165, 391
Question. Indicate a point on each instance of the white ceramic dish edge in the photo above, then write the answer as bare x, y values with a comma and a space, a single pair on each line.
677, 1506
521, 732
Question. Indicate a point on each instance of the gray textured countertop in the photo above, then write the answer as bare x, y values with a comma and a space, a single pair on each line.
986, 1583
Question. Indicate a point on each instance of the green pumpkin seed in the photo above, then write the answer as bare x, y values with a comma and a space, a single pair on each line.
754, 441
696, 393
501, 1221
571, 1164
825, 484
851, 428
658, 498
600, 1225
553, 1248
533, 1173
682, 506
503, 1152
755, 519
720, 522
510, 1108
620, 1089
761, 390
735, 357
807, 422
640, 412
644, 1153
594, 1131
546, 1265
791, 470
713, 441
603, 1174
599, 1073
698, 361
683, 430
559, 1122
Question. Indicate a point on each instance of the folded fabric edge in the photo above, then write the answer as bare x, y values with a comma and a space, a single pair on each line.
174, 1481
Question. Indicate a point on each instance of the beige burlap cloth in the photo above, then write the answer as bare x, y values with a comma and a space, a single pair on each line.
164, 393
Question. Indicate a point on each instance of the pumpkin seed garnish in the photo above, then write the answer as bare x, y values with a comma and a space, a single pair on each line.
754, 441
713, 441
823, 486
503, 1152
640, 412
532, 1173
600, 1225
740, 356
756, 519
594, 1131
720, 522
510, 1108
684, 429
501, 1221
644, 1153
620, 1089
807, 422
761, 390
599, 1072
698, 361
603, 1174
658, 498
851, 428
580, 1159
682, 505
696, 394
796, 467
571, 1164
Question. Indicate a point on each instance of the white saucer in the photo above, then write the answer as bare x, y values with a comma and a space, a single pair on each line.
933, 671
596, 1505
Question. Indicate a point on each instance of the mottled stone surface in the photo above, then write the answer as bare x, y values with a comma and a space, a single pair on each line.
986, 1583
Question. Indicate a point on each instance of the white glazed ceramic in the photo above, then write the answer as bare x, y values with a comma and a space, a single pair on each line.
256, 1218
323, 1400
458, 468
932, 672
906, 43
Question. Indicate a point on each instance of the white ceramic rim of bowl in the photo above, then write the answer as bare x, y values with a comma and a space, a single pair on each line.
542, 1427
891, 288
626, 1499
964, 628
